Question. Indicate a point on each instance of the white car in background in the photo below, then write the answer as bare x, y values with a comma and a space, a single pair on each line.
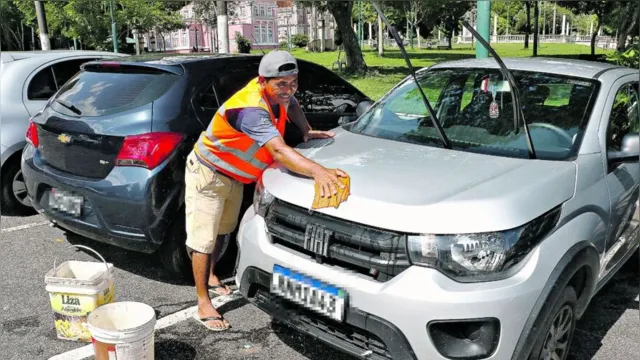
27, 80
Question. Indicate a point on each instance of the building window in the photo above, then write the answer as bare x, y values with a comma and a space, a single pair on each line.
184, 38
270, 32
256, 32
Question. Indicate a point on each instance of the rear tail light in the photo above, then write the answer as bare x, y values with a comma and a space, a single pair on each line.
32, 134
147, 150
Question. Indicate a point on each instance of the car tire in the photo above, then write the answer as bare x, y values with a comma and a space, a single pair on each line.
561, 316
175, 259
173, 252
10, 202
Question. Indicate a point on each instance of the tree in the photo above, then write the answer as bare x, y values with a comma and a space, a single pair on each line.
12, 30
446, 15
366, 10
598, 8
205, 12
90, 21
625, 19
416, 14
341, 11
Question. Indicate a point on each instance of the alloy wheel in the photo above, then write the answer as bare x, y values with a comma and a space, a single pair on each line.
556, 343
19, 189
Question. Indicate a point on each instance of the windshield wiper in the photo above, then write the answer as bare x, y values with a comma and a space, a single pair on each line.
69, 106
518, 116
432, 113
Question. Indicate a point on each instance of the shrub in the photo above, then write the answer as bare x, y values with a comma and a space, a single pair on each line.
300, 40
629, 57
244, 45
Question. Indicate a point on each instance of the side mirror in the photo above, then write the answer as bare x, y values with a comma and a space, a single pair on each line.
630, 150
343, 120
362, 107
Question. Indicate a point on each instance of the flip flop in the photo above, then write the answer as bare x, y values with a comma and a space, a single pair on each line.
214, 288
204, 320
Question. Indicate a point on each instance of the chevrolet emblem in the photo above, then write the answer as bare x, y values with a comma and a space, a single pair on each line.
64, 138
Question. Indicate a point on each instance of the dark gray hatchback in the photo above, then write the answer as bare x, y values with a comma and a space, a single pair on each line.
105, 156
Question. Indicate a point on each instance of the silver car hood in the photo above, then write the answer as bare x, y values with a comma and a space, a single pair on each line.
422, 189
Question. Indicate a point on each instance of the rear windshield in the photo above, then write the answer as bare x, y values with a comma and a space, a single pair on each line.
103, 93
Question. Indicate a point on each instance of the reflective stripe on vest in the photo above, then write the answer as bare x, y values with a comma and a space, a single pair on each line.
230, 151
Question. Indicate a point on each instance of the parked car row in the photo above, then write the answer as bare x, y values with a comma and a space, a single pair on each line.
484, 241
106, 154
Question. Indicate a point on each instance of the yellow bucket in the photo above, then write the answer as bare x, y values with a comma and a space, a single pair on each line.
76, 288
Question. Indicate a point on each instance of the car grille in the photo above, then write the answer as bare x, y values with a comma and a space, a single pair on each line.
91, 156
378, 253
358, 340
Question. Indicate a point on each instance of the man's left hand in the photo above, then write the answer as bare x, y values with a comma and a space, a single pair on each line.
317, 134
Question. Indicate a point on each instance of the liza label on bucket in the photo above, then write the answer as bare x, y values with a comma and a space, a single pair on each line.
70, 312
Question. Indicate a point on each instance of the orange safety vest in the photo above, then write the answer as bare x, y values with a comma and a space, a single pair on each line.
232, 152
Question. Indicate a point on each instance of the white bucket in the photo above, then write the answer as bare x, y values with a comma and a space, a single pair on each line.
123, 331
75, 289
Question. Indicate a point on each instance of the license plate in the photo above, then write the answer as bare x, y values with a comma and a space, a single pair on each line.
321, 297
63, 201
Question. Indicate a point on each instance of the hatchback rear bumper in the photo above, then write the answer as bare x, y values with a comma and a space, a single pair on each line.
131, 208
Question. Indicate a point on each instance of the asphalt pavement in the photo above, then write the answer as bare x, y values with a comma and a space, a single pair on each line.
609, 330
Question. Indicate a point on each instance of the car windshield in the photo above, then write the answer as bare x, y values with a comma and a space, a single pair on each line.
474, 107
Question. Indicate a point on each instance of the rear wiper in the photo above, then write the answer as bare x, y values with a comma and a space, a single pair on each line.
518, 116
69, 106
432, 113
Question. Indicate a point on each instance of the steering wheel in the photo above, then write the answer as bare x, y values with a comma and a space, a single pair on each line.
561, 132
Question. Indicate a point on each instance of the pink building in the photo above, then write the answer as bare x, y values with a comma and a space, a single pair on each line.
255, 20
183, 40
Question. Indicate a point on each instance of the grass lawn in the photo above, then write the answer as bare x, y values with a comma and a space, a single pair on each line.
385, 72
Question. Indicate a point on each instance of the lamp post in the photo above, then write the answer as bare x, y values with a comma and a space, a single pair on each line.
113, 29
195, 31
483, 26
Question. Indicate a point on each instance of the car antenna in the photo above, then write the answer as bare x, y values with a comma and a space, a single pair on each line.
259, 47
518, 116
432, 113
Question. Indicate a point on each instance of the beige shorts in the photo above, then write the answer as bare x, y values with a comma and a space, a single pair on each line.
212, 204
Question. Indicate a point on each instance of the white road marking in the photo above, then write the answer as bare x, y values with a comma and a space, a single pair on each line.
26, 226
87, 351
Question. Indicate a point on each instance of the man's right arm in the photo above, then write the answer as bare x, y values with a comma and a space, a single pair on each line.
256, 123
327, 179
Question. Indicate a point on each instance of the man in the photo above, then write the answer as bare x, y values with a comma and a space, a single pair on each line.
244, 137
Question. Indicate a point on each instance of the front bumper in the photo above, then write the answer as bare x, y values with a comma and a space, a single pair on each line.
361, 333
392, 319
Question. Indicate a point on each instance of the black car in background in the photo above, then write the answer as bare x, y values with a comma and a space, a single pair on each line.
105, 157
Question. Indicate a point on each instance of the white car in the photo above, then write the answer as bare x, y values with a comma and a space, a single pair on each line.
27, 80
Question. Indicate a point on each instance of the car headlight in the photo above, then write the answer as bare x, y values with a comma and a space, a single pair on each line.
261, 199
483, 256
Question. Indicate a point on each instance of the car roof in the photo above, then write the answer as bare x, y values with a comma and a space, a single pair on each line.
178, 59
559, 66
9, 56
